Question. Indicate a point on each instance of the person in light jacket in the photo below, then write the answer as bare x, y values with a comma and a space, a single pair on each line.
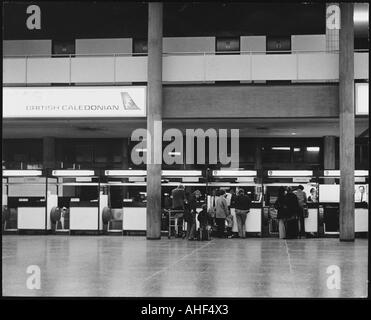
221, 212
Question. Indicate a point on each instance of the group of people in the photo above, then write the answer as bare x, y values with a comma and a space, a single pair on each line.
216, 215
291, 209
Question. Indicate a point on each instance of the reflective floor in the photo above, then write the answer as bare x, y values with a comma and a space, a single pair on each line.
134, 266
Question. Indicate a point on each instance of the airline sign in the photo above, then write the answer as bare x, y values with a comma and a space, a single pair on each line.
74, 102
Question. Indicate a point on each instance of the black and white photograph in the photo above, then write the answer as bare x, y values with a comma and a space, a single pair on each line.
176, 150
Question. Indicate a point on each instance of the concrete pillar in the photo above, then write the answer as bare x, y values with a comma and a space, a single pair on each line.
154, 116
347, 136
49, 153
329, 145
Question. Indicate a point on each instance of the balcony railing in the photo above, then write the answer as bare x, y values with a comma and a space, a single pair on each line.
245, 66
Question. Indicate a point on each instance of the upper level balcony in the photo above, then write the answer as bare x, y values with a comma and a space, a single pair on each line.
180, 67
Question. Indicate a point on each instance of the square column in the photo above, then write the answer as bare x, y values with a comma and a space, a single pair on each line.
346, 110
154, 117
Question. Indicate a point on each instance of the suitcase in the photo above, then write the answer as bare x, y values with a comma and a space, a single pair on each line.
292, 229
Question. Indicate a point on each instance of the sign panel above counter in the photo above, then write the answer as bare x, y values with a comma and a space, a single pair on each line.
74, 102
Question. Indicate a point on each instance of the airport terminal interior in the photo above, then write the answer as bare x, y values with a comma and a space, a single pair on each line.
78, 203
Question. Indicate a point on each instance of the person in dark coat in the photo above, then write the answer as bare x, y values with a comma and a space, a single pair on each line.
206, 222
178, 203
280, 206
191, 211
292, 204
242, 205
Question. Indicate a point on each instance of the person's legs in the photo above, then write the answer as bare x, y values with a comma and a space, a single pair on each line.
281, 228
243, 222
192, 229
239, 222
220, 227
302, 223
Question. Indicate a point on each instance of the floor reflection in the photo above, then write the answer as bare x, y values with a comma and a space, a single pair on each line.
135, 267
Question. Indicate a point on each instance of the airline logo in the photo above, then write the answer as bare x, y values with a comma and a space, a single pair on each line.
128, 102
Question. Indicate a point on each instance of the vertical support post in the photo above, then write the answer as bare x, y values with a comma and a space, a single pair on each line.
154, 116
347, 136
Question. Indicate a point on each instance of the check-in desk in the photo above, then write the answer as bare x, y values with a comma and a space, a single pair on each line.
329, 201
233, 180
192, 180
78, 200
273, 180
24, 200
127, 197
127, 201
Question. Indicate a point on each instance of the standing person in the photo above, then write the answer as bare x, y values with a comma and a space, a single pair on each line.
178, 201
205, 223
302, 199
280, 206
211, 205
193, 199
292, 203
221, 212
233, 198
242, 204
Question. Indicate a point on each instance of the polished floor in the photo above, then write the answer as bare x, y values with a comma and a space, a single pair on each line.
135, 267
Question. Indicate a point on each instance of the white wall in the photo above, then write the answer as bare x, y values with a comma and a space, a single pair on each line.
253, 43
189, 44
310, 42
104, 46
27, 47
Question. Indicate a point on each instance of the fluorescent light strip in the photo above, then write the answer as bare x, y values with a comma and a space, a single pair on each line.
290, 173
22, 173
234, 173
125, 172
73, 173
336, 173
181, 173
280, 148
313, 149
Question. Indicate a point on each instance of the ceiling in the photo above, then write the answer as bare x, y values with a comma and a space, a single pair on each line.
114, 128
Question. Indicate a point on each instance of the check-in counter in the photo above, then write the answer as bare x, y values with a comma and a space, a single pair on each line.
193, 182
233, 180
126, 202
25, 200
78, 201
329, 199
274, 179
